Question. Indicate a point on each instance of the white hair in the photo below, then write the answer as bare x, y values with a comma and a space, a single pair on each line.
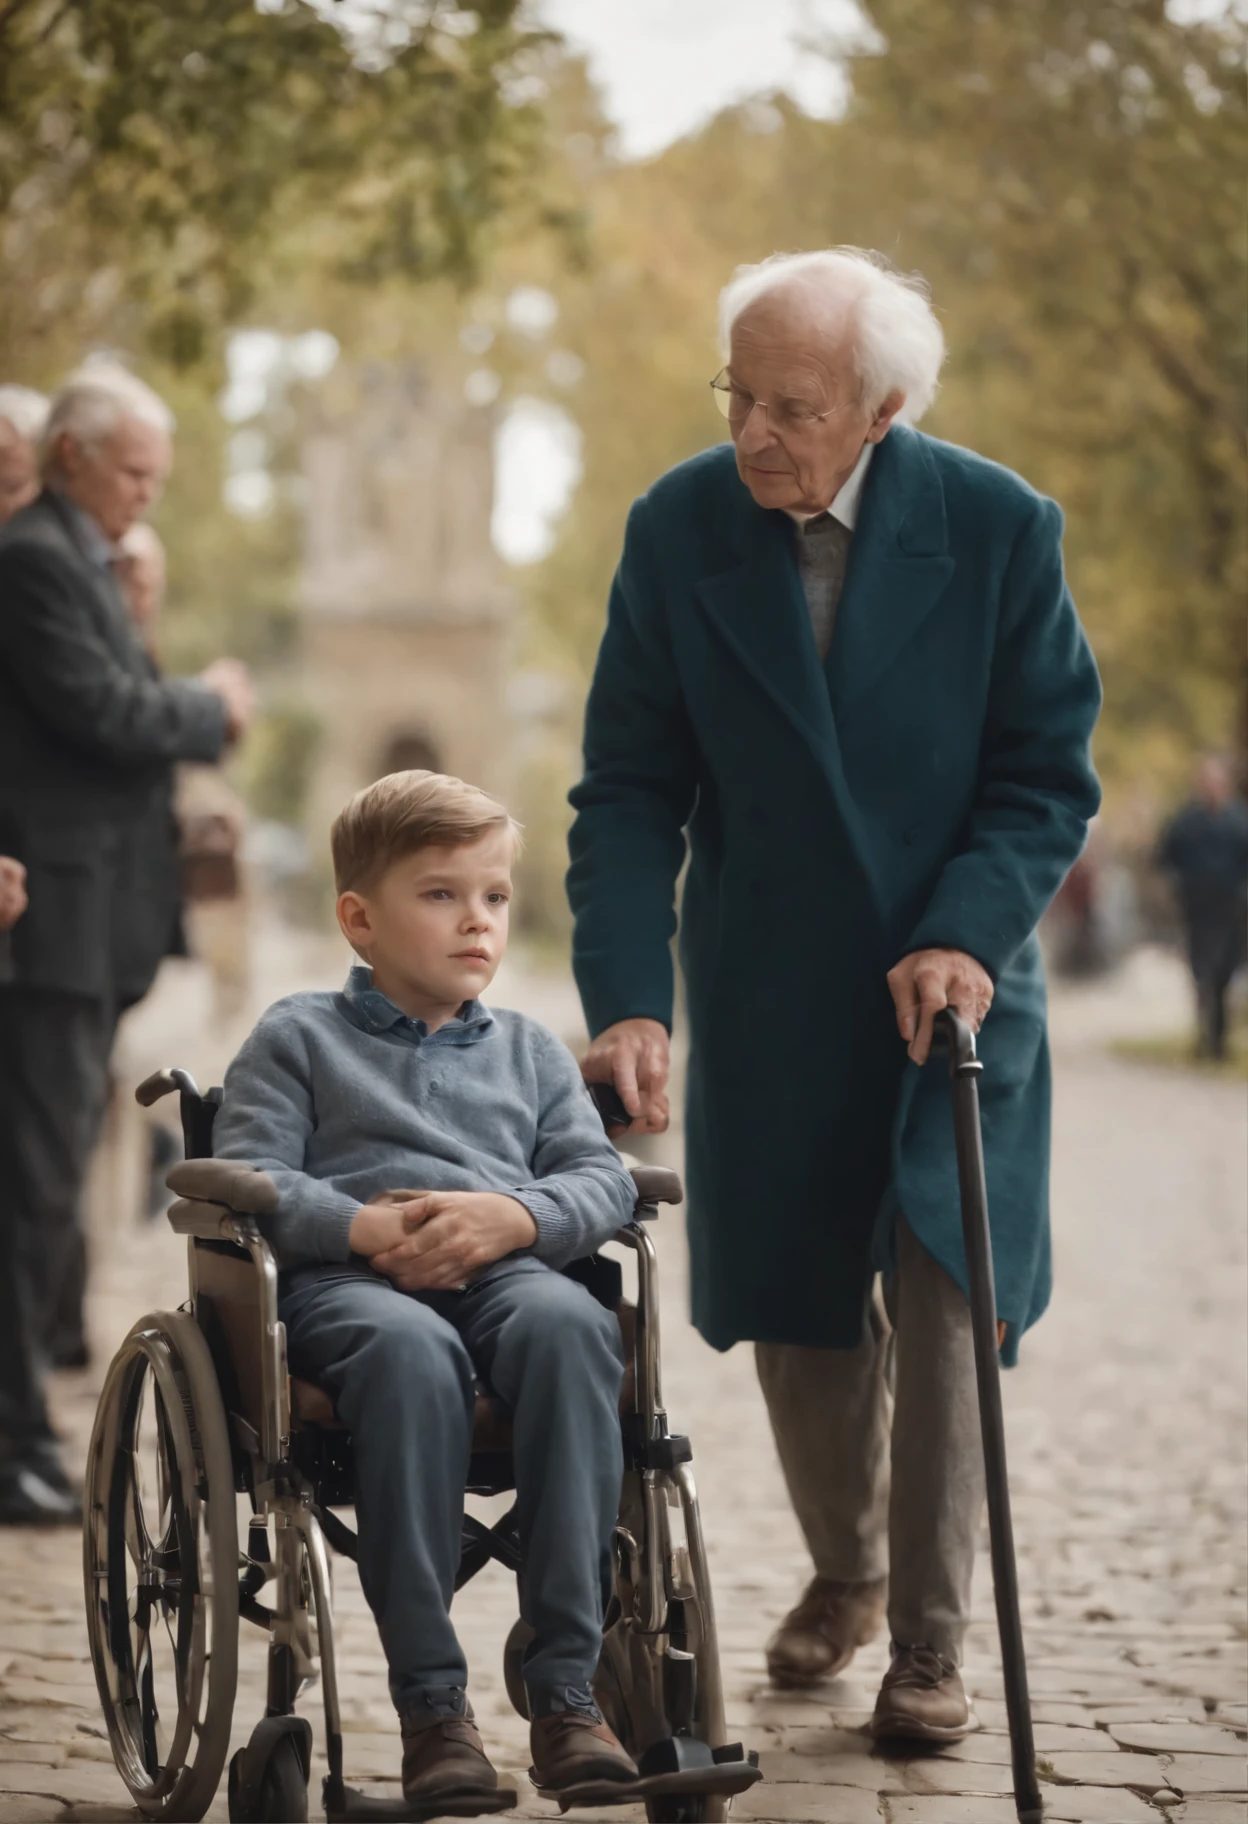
24, 411
92, 403
897, 342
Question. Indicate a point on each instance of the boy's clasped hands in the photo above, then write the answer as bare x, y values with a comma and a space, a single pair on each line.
435, 1241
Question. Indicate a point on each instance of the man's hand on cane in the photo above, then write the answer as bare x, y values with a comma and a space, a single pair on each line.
927, 980
634, 1055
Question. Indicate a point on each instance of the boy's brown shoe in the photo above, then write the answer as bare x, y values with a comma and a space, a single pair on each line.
573, 1747
445, 1765
818, 1638
922, 1699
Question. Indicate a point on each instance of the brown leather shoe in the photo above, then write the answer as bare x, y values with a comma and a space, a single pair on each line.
574, 1747
444, 1763
922, 1697
820, 1636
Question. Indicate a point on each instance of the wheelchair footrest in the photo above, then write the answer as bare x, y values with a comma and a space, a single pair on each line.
670, 1769
362, 1808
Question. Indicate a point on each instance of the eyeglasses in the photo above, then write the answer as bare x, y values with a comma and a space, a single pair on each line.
735, 404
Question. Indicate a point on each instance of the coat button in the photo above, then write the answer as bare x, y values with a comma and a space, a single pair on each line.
912, 835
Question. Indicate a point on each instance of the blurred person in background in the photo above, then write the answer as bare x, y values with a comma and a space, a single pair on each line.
211, 823
1204, 850
142, 571
842, 662
23, 414
88, 739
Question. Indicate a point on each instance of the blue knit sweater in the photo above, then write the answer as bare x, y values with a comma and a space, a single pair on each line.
340, 1096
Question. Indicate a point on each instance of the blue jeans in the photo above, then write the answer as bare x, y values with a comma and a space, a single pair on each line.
402, 1367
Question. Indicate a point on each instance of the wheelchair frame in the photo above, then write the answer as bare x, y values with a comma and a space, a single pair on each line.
659, 1676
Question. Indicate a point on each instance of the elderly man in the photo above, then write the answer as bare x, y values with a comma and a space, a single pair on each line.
88, 738
843, 672
23, 414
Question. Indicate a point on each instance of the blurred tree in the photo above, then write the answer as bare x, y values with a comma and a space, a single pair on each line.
150, 151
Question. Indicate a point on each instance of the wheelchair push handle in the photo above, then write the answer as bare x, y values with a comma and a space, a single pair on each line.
164, 1083
607, 1100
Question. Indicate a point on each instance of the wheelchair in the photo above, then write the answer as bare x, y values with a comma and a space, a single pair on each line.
198, 1410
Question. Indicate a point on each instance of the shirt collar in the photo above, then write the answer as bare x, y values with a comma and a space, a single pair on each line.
378, 1013
96, 546
848, 497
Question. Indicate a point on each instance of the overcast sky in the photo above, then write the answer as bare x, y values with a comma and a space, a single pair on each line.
666, 66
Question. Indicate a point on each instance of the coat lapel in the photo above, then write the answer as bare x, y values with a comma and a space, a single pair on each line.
898, 568
899, 565
758, 610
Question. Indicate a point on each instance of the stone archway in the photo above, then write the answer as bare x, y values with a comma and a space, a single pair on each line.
410, 750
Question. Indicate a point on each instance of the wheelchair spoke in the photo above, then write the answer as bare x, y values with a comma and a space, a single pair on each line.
138, 1539
149, 1715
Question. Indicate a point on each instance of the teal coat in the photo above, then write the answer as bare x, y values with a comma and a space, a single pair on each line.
931, 784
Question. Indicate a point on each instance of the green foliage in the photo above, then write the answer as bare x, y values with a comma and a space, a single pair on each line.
231, 580
275, 767
150, 150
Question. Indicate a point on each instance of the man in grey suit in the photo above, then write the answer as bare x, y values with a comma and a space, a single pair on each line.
88, 738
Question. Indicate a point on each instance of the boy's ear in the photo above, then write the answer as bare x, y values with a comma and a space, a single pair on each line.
353, 919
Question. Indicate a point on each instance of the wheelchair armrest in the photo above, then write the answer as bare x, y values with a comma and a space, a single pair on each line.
656, 1184
205, 1221
230, 1182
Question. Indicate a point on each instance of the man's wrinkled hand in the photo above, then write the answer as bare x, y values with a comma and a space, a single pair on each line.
12, 892
926, 981
634, 1055
449, 1236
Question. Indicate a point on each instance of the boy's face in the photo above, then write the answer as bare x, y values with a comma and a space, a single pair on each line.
434, 928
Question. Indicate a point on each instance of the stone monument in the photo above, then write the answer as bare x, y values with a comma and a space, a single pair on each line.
406, 626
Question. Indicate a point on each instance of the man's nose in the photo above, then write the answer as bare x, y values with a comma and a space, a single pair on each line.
755, 433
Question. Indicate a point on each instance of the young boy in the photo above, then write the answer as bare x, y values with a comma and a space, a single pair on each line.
396, 1306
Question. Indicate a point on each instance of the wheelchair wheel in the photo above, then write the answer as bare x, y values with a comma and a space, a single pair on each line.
513, 1660
160, 1565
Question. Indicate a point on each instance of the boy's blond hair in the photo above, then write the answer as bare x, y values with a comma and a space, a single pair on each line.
404, 812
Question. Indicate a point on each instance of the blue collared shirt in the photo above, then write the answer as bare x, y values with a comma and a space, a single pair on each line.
378, 1013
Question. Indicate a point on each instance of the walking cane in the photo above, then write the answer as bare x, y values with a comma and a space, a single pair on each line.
953, 1032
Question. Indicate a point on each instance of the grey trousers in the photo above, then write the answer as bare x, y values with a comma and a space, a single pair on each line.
403, 1369
880, 1447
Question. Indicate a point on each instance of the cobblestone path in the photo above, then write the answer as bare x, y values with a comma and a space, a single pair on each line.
1127, 1435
